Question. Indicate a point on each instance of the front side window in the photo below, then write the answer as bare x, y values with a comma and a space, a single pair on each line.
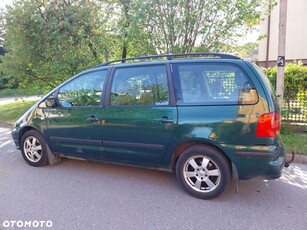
85, 90
145, 85
214, 84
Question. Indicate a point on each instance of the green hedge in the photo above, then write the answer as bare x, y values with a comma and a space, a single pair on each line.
295, 80
295, 91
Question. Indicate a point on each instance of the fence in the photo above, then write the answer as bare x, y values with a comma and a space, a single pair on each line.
296, 110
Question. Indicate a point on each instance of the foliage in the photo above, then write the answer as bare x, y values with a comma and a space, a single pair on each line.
49, 41
152, 95
127, 25
81, 97
19, 92
302, 97
295, 79
243, 51
295, 90
271, 73
183, 26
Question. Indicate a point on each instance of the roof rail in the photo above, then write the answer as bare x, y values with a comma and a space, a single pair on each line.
172, 56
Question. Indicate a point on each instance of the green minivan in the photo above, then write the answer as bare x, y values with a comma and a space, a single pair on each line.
207, 116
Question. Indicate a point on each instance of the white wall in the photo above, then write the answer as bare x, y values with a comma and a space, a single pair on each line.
296, 35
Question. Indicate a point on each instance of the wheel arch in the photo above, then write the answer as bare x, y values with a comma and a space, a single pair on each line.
182, 147
51, 157
26, 129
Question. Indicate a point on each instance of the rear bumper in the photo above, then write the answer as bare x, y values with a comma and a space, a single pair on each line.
273, 171
266, 162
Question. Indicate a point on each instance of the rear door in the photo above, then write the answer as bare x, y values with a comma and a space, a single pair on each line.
223, 100
139, 119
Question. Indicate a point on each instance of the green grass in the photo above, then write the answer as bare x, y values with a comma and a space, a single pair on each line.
296, 142
9, 113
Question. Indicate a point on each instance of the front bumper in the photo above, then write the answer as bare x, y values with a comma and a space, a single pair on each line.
15, 135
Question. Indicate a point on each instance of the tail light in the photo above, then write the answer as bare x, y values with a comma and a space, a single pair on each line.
268, 125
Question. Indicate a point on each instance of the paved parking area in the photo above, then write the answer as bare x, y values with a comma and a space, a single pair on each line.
85, 195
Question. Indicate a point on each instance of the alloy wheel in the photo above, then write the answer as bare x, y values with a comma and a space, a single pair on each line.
32, 149
202, 174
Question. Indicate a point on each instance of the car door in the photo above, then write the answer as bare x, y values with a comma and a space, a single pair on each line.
139, 120
71, 127
223, 100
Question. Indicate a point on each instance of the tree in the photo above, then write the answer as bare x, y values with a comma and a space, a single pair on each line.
127, 24
49, 41
2, 51
202, 25
3, 79
174, 26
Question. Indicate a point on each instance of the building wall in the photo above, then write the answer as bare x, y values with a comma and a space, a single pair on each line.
296, 34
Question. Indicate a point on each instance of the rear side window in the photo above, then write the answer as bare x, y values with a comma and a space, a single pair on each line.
207, 83
143, 85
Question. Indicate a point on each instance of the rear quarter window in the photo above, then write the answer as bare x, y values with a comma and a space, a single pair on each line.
208, 83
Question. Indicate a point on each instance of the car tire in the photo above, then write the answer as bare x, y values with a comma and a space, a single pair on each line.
203, 171
34, 149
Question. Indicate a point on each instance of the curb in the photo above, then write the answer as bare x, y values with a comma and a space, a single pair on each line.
300, 159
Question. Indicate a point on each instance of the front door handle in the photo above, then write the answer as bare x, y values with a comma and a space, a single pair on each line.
165, 120
93, 119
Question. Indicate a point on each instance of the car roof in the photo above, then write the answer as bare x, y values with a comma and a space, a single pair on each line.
167, 58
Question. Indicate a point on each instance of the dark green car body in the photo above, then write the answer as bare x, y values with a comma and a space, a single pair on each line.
154, 134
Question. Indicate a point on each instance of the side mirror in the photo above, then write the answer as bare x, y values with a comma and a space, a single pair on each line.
50, 103
66, 104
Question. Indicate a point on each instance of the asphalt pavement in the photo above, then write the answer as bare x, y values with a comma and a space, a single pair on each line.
85, 195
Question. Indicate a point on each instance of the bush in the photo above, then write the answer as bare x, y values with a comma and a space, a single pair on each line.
295, 79
295, 90
20, 92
